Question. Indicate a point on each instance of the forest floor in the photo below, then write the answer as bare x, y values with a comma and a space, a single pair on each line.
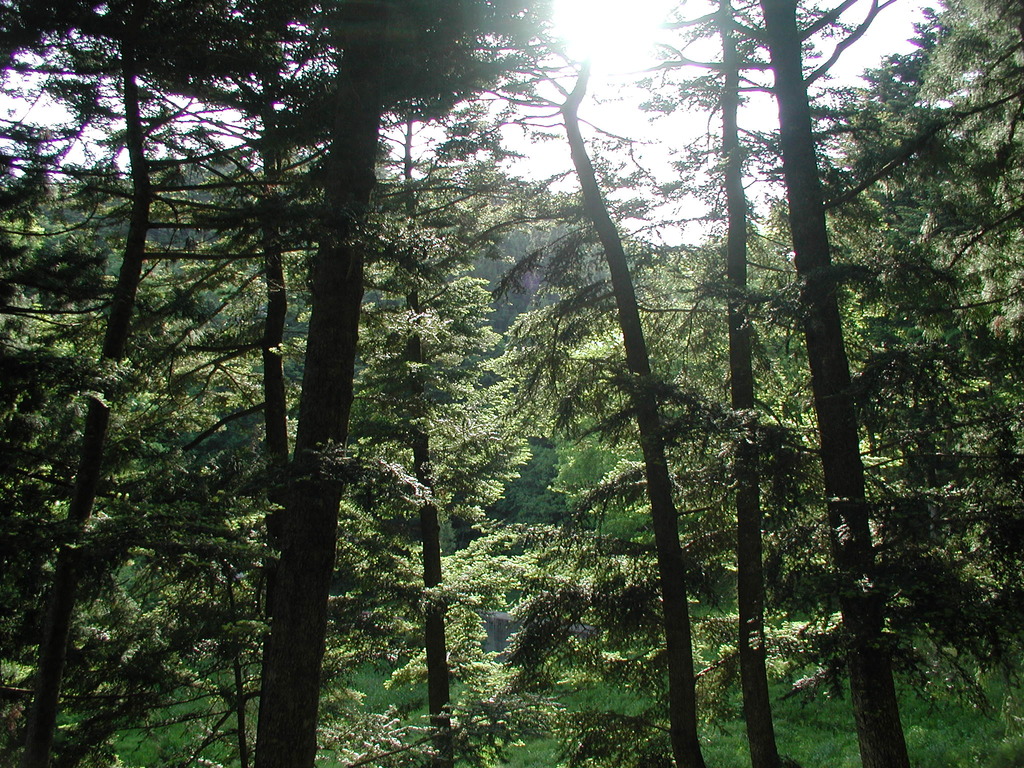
819, 732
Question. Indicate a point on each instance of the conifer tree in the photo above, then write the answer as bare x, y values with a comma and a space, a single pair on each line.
750, 571
936, 319
53, 646
422, 53
861, 596
671, 568
291, 668
128, 46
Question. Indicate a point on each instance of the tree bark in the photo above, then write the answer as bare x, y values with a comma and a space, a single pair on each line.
287, 729
238, 672
42, 719
757, 708
435, 641
876, 710
275, 404
275, 409
434, 636
671, 568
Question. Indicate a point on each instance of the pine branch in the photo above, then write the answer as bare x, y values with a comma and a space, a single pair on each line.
7, 309
830, 18
199, 256
1009, 216
849, 40
210, 431
901, 156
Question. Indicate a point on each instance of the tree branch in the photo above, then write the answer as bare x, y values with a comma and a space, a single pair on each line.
210, 431
850, 40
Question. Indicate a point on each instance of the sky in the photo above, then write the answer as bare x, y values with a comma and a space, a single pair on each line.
617, 36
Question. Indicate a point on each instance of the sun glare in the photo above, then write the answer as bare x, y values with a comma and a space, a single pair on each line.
616, 36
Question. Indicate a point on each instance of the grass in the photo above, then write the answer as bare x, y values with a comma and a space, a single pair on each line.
815, 732
819, 733
543, 752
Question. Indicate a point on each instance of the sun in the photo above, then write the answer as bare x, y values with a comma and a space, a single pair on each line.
616, 36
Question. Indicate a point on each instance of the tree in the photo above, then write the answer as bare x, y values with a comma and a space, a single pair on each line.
671, 568
428, 368
750, 571
294, 649
53, 646
126, 57
438, 49
933, 326
861, 596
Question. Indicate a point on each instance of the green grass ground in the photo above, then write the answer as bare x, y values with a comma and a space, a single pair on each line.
816, 732
819, 733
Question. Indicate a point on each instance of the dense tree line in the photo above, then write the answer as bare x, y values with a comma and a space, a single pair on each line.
301, 383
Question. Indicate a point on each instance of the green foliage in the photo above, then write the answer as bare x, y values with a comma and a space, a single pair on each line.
529, 499
519, 388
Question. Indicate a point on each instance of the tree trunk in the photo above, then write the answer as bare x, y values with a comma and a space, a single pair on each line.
671, 569
275, 408
42, 719
238, 672
435, 641
757, 708
287, 729
876, 710
275, 404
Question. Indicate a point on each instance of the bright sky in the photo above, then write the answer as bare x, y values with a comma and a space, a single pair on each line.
619, 37
616, 36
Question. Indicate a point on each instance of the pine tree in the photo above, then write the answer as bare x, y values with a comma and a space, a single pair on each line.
933, 326
672, 570
750, 571
417, 53
53, 647
876, 709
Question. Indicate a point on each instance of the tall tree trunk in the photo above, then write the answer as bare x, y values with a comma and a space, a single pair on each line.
238, 672
42, 719
435, 641
275, 404
434, 636
876, 710
671, 569
757, 708
275, 408
287, 730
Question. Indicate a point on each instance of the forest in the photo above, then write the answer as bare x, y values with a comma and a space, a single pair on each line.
342, 426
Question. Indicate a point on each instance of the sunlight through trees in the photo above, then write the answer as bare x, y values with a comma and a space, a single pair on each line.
480, 383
